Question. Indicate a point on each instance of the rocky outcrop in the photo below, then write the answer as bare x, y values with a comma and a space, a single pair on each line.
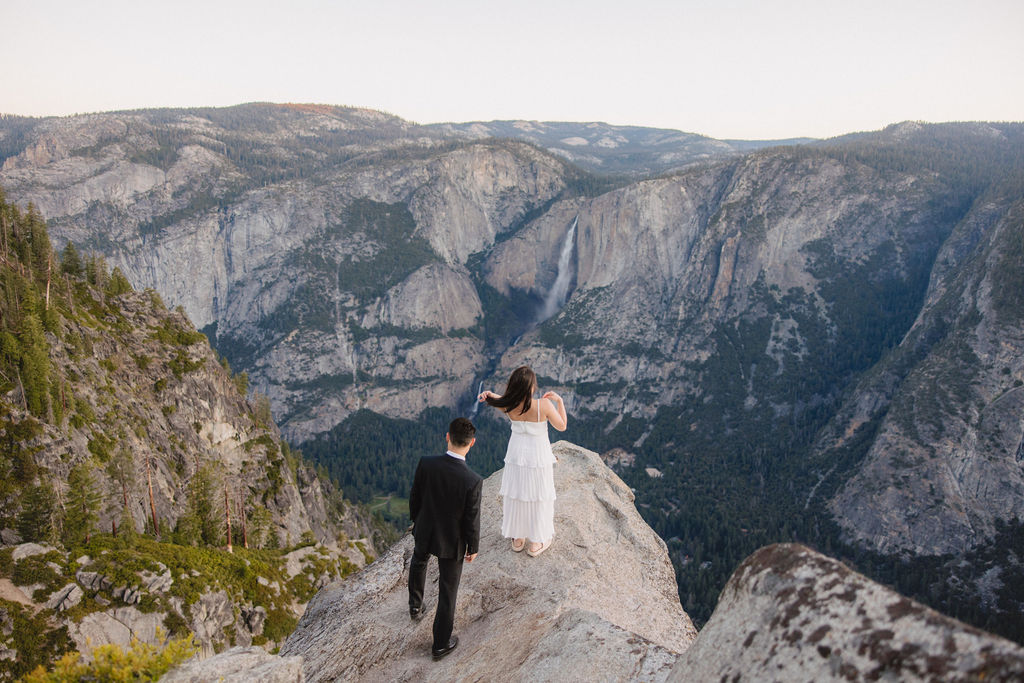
435, 296
239, 665
791, 614
118, 626
601, 604
140, 604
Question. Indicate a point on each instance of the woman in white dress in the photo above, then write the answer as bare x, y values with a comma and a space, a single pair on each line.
528, 482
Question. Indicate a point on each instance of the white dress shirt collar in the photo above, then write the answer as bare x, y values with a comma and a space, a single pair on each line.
457, 456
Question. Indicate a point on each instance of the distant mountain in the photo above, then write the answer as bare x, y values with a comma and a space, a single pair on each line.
815, 342
616, 150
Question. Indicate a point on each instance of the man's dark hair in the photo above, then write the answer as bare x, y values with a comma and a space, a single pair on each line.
461, 431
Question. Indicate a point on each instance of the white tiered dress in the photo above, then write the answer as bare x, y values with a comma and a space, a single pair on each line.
528, 483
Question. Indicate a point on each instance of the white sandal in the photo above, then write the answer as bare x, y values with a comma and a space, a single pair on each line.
538, 551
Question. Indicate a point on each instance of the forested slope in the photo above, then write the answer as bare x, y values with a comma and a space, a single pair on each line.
139, 488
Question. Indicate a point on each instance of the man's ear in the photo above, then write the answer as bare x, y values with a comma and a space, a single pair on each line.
472, 441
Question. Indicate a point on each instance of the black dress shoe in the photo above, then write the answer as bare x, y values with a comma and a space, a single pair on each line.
444, 651
416, 613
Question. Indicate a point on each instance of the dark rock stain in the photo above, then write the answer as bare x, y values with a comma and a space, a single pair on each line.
818, 634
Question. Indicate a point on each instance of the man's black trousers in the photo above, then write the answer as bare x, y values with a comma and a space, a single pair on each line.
450, 572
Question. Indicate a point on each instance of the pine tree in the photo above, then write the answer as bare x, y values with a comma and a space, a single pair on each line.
262, 409
96, 271
71, 261
35, 523
123, 477
118, 283
260, 526
83, 504
201, 522
39, 241
241, 381
35, 365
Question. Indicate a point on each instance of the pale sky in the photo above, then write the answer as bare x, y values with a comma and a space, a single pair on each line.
725, 68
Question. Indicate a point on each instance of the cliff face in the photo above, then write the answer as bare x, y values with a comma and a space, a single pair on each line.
665, 265
297, 275
606, 579
946, 463
141, 381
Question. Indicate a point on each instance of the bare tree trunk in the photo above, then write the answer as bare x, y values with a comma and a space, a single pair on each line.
49, 270
63, 511
21, 388
152, 502
227, 515
71, 298
241, 513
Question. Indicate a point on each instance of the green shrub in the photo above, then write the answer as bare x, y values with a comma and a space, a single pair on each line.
173, 334
141, 662
181, 364
34, 638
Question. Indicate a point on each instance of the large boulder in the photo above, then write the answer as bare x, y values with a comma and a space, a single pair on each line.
791, 614
601, 604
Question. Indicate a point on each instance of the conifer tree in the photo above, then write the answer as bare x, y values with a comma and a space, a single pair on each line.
71, 261
35, 523
39, 241
118, 283
96, 271
82, 509
35, 365
201, 522
259, 526
123, 477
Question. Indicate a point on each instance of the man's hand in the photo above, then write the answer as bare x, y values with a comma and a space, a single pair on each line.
470, 558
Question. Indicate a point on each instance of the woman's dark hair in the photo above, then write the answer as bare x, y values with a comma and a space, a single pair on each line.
519, 390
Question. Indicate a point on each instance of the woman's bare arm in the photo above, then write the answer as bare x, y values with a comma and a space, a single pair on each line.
554, 410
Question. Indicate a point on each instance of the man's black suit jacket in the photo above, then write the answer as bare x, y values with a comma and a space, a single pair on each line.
445, 507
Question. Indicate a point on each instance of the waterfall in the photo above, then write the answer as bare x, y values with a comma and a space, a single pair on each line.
476, 404
559, 292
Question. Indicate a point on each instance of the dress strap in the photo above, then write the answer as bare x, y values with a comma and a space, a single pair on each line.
538, 410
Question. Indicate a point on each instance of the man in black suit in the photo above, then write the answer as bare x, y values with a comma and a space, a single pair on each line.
445, 508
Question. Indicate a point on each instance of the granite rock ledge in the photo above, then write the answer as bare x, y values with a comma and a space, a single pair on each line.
600, 605
791, 614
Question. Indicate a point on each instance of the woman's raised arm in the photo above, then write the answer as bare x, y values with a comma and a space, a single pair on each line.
554, 411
